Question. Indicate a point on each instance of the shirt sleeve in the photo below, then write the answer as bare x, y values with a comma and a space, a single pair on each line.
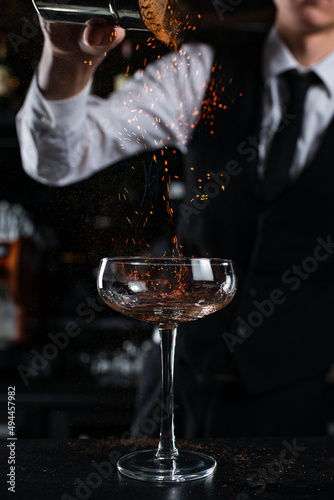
68, 140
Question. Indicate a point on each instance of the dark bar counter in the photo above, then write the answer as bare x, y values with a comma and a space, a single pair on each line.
289, 468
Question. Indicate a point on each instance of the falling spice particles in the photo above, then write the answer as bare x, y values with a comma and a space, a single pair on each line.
153, 13
166, 19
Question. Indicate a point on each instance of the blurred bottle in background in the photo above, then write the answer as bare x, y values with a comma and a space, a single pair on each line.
9, 82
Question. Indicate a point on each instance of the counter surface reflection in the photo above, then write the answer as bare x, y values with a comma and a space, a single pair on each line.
280, 468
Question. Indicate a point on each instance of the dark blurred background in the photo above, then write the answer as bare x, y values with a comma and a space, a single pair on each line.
75, 363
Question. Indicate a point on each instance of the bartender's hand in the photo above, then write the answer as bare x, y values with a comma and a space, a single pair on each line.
71, 55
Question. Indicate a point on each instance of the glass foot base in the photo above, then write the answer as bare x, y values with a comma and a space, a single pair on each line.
187, 466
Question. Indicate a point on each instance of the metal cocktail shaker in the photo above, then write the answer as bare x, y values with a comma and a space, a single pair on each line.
171, 21
124, 13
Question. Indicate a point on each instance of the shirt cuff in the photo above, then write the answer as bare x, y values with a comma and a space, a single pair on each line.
65, 114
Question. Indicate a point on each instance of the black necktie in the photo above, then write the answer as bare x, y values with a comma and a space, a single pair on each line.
282, 149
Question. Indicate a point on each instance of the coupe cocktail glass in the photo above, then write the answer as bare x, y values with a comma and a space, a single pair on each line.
166, 292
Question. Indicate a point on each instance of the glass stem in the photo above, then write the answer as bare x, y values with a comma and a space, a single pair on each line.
167, 448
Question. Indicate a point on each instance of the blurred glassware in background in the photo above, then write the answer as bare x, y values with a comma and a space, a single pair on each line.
10, 315
121, 367
15, 223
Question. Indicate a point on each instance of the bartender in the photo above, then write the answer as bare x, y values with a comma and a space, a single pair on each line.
259, 366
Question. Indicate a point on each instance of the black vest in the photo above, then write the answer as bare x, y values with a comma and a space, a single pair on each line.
280, 326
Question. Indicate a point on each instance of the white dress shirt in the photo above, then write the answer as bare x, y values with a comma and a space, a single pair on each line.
319, 102
68, 140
